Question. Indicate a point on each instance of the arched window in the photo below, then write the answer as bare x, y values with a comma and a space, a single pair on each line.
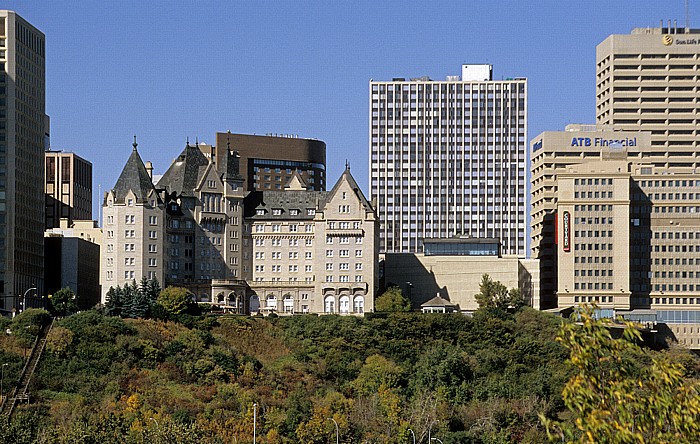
288, 303
358, 305
329, 304
271, 301
254, 304
344, 305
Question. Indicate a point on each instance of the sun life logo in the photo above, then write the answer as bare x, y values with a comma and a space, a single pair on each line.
668, 40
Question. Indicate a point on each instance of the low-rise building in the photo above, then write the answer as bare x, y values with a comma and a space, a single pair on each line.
453, 268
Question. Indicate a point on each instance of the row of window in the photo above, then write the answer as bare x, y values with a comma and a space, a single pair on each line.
593, 286
277, 242
343, 253
343, 278
593, 194
593, 181
343, 240
593, 273
277, 228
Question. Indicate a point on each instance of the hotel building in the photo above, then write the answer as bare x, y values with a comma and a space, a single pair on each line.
447, 158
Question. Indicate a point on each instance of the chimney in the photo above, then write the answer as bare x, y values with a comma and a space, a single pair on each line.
149, 169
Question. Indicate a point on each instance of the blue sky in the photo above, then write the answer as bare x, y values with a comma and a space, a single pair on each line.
168, 70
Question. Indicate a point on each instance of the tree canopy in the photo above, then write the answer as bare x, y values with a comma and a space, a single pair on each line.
494, 295
392, 300
621, 393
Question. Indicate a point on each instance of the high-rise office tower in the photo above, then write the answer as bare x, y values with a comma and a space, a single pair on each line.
22, 114
648, 81
448, 158
68, 188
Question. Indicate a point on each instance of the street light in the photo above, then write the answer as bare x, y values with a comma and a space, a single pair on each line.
414, 436
337, 431
24, 298
255, 419
2, 378
430, 429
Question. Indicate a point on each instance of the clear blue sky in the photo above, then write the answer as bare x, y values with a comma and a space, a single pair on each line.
168, 70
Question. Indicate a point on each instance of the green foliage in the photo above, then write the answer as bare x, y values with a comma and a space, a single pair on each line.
621, 393
27, 325
494, 295
63, 302
175, 301
133, 300
484, 378
392, 300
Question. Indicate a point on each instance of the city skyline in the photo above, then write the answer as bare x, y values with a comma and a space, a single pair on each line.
166, 72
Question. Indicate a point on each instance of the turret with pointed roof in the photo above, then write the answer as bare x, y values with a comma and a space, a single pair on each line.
134, 178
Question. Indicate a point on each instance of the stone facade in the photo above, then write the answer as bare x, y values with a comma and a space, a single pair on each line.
289, 251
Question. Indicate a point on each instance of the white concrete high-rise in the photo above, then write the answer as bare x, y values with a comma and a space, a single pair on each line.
22, 131
448, 158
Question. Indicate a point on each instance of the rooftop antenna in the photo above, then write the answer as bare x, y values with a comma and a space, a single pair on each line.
687, 18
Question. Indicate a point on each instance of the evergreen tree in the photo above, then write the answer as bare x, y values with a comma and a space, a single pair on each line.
115, 301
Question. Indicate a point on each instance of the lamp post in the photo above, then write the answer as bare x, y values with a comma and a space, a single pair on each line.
436, 439
409, 287
2, 378
24, 298
255, 419
430, 429
337, 431
414, 436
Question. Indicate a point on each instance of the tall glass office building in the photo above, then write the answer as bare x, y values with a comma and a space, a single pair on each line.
448, 158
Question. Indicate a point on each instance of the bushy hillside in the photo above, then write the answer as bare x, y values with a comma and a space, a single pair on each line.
464, 380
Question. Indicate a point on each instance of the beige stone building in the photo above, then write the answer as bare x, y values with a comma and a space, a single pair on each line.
648, 81
133, 214
615, 226
312, 251
289, 251
453, 268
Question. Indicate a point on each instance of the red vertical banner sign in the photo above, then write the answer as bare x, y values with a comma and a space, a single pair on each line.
566, 231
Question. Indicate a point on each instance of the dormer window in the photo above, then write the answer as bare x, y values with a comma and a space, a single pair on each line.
130, 202
310, 212
276, 211
293, 212
211, 183
260, 212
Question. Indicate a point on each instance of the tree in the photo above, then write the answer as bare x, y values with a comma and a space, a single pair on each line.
494, 295
27, 325
133, 300
63, 302
615, 398
115, 301
392, 300
175, 300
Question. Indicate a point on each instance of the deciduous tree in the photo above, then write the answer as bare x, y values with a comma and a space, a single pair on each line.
615, 398
392, 300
